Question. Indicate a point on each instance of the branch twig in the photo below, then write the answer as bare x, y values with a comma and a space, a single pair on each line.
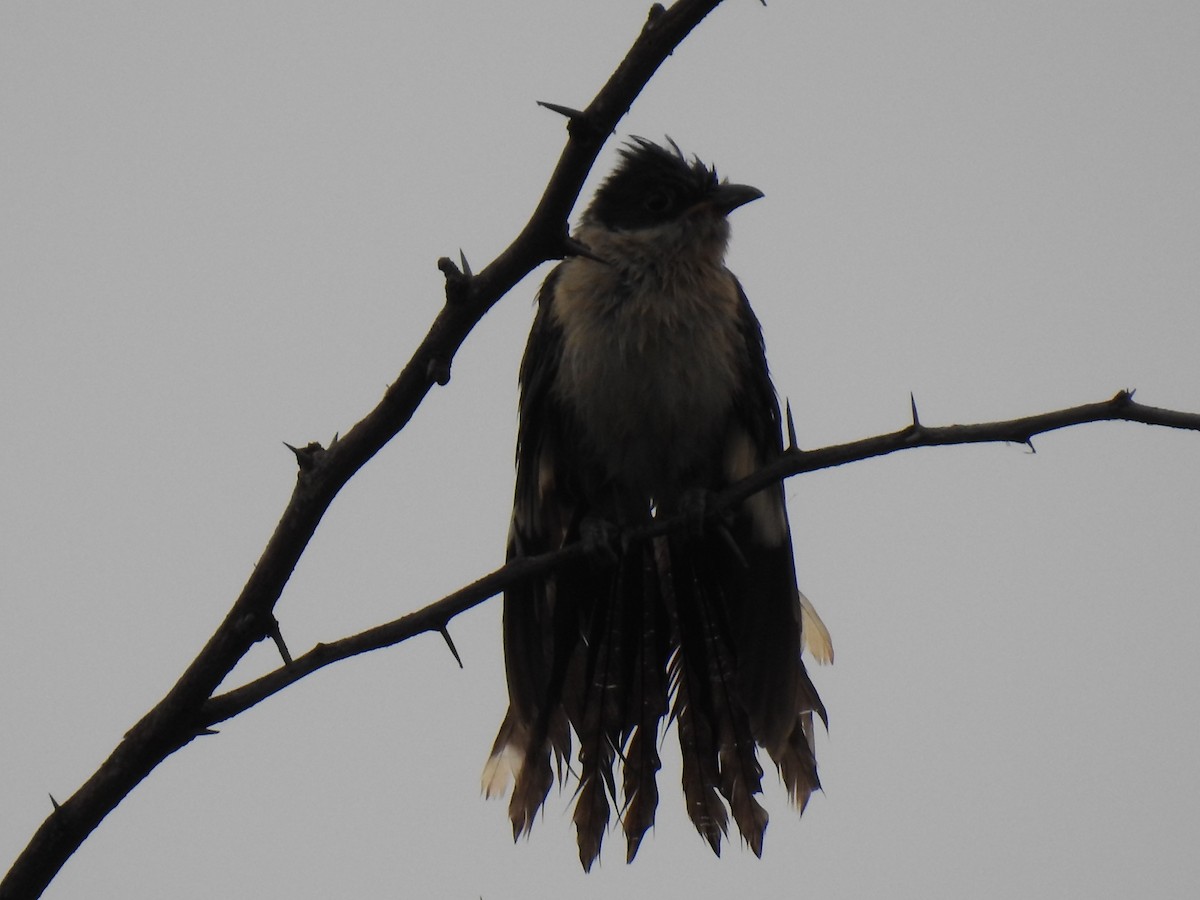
437, 615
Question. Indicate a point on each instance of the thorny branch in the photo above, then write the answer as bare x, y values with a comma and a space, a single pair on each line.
437, 615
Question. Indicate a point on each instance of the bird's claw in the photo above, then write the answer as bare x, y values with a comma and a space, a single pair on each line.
601, 541
694, 505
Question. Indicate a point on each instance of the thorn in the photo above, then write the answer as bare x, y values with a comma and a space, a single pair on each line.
206, 732
466, 266
916, 420
54, 802
793, 444
572, 247
277, 637
445, 632
1029, 444
306, 456
336, 435
567, 111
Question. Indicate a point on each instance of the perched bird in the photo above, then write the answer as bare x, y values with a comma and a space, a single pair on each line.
644, 388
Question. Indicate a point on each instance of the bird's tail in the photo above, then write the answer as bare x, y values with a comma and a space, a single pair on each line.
738, 680
684, 625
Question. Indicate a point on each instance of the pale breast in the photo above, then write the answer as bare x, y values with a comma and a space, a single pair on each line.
649, 369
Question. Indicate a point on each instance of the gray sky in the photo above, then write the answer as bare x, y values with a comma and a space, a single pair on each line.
220, 223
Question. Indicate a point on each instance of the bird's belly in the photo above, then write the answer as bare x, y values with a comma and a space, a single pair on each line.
652, 402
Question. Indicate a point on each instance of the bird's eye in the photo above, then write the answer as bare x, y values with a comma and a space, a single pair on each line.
658, 201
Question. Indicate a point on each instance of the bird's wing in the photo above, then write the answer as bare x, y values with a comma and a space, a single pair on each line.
764, 601
569, 637
539, 524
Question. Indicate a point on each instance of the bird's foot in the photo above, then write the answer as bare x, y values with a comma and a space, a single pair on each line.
694, 504
601, 541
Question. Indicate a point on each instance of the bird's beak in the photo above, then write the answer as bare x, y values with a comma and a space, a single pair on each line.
725, 198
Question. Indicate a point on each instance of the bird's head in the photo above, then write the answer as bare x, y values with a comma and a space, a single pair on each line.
657, 195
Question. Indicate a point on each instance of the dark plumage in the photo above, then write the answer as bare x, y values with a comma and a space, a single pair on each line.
643, 387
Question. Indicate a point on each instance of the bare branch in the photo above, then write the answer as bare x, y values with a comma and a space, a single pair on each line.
1121, 407
435, 616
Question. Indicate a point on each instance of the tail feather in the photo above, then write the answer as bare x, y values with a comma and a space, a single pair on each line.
708, 633
640, 787
816, 636
700, 768
519, 759
626, 641
598, 718
686, 627
508, 753
796, 760
648, 699
536, 728
797, 764
591, 806
741, 774
690, 689
531, 785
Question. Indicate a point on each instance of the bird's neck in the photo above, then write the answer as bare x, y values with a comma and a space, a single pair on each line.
670, 258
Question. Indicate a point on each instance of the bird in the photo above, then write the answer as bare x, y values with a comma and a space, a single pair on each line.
644, 390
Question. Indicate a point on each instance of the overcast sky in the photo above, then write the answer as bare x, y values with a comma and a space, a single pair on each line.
218, 231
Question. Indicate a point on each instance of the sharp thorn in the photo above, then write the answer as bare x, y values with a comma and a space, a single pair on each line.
54, 802
277, 637
445, 632
1029, 444
567, 111
306, 456
206, 732
793, 444
466, 266
916, 420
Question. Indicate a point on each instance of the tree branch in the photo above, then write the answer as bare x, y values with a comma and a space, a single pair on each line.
438, 614
176, 719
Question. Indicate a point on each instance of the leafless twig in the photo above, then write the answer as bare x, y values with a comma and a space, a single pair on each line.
435, 616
